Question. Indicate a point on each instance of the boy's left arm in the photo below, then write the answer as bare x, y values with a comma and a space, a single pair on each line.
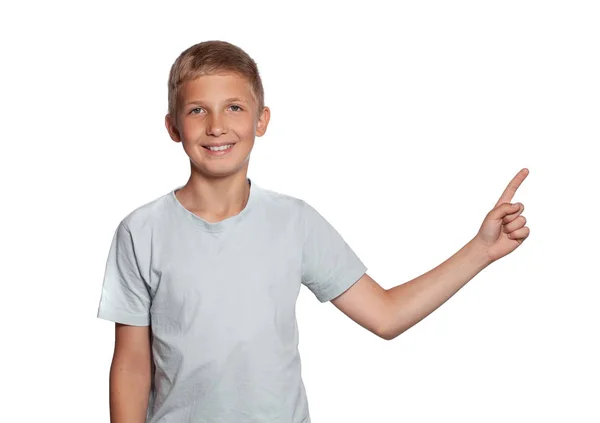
390, 312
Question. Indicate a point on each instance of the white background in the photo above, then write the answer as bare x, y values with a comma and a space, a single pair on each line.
402, 123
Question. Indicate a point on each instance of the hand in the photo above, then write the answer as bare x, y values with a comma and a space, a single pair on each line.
503, 229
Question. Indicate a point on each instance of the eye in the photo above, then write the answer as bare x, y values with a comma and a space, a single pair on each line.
193, 111
239, 108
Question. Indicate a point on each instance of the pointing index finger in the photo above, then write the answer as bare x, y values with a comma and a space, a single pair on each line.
512, 187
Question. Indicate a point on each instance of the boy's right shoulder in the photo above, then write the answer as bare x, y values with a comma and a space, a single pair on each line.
146, 215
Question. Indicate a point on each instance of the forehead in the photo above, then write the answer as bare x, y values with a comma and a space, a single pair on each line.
216, 87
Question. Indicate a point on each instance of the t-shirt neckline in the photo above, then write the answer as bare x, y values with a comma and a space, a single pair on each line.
215, 226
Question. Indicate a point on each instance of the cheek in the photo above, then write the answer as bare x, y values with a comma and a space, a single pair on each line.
247, 128
244, 128
190, 130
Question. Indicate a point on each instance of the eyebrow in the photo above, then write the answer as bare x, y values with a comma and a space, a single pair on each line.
226, 100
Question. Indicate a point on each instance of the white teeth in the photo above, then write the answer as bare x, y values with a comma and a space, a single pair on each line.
221, 148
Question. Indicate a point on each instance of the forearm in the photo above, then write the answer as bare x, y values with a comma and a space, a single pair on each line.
129, 394
412, 301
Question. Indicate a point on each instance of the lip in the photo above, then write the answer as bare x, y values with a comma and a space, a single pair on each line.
219, 153
219, 144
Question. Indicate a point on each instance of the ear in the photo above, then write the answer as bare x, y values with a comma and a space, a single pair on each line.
171, 126
263, 122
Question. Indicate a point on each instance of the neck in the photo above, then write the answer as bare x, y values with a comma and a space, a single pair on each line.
215, 199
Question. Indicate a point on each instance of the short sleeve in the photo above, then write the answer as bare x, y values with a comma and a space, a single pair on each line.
125, 295
329, 265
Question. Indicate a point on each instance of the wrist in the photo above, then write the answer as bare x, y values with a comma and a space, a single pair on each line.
478, 253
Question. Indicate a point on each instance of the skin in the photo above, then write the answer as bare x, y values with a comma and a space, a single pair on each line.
130, 374
390, 312
217, 189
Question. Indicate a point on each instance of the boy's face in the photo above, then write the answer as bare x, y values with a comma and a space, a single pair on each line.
217, 110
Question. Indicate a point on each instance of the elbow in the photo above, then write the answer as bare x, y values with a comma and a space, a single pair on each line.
385, 336
390, 327
388, 335
387, 331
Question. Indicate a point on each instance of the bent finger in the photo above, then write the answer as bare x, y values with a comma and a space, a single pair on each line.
518, 223
510, 217
519, 234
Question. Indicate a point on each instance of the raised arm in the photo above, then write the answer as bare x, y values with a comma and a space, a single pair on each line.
130, 374
390, 312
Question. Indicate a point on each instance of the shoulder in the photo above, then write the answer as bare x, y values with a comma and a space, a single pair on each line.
277, 200
283, 208
146, 216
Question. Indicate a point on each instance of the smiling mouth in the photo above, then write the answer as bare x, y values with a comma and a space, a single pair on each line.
218, 150
223, 147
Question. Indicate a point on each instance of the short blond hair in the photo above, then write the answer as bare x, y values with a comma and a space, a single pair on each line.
213, 57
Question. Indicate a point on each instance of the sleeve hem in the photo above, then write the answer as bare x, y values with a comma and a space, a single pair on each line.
123, 318
345, 283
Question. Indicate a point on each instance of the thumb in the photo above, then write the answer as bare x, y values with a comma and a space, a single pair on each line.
502, 210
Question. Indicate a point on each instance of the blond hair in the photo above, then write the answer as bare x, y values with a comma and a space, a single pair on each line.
212, 57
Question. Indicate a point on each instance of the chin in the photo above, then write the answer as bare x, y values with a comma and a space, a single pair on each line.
212, 171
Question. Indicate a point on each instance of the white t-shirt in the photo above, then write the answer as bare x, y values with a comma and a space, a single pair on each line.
220, 299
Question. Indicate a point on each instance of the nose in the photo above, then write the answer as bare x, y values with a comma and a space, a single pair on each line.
216, 125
